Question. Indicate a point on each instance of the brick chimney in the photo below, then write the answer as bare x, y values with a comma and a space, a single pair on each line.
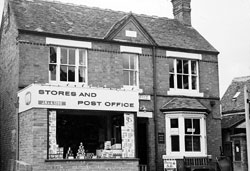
182, 11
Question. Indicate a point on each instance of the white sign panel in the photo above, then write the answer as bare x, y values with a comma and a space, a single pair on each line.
59, 97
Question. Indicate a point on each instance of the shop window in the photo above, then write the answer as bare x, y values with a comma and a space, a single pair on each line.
186, 134
90, 135
130, 69
68, 65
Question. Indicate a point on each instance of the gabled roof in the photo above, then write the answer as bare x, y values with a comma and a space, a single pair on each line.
184, 104
122, 23
230, 121
86, 22
233, 99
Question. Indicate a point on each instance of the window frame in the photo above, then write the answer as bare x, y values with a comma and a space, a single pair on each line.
135, 70
76, 65
180, 131
189, 57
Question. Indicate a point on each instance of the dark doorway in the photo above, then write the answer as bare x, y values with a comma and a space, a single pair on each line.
142, 141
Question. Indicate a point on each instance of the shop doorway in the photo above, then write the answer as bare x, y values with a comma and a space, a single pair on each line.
142, 139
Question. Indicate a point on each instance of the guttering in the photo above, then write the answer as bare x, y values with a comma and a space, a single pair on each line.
155, 105
25, 31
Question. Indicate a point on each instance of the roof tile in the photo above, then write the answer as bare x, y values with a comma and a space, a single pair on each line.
83, 21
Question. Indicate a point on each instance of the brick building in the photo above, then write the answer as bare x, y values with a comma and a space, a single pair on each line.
87, 88
234, 123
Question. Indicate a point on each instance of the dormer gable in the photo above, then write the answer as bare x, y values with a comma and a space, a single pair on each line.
129, 29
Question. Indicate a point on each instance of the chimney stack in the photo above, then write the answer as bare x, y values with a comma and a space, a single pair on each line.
182, 11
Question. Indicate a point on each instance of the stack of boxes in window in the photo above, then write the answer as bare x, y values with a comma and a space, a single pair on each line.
55, 152
128, 138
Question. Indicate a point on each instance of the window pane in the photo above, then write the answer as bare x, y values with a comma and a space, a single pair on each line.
81, 74
171, 65
52, 55
82, 57
179, 81
63, 56
175, 143
63, 73
185, 66
71, 74
52, 69
196, 126
185, 82
174, 123
171, 80
188, 143
179, 66
125, 61
188, 126
126, 77
194, 82
72, 57
193, 67
196, 143
132, 78
132, 62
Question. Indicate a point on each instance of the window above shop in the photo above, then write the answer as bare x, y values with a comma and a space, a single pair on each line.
68, 65
183, 73
130, 70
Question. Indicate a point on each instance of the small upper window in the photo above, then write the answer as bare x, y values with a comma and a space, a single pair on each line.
68, 65
236, 95
130, 69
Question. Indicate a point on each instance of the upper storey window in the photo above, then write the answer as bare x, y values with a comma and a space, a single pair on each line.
184, 73
130, 66
130, 69
68, 65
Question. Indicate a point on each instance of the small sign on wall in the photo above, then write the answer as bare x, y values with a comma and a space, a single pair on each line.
161, 138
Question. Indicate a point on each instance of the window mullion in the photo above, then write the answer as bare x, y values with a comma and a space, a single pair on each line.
58, 64
175, 74
76, 65
189, 75
182, 135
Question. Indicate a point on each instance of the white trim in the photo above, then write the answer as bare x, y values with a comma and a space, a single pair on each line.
70, 43
183, 55
145, 114
185, 92
130, 33
131, 49
181, 116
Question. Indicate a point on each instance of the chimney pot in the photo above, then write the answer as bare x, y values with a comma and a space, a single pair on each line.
182, 11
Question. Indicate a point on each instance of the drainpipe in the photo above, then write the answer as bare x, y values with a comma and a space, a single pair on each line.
155, 105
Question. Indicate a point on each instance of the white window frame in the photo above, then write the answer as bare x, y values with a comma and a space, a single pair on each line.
135, 71
190, 57
134, 51
58, 64
181, 132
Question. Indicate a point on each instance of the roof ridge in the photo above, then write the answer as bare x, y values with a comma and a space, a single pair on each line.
241, 79
99, 8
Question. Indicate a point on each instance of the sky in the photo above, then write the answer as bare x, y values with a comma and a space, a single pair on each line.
223, 23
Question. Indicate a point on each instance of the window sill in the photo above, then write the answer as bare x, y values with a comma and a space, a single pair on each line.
99, 159
182, 92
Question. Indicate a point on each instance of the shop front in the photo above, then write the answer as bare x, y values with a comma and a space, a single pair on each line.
76, 128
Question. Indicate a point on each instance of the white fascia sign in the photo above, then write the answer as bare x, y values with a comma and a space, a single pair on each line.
63, 97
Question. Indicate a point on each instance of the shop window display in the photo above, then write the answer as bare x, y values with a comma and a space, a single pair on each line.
90, 135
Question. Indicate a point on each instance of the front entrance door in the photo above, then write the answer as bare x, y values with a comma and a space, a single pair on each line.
142, 143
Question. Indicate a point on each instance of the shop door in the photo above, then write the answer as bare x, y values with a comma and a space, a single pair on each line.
142, 144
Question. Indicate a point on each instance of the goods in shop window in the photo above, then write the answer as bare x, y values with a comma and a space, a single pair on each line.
69, 154
81, 152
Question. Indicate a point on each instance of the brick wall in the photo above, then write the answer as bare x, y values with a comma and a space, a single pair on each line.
8, 99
